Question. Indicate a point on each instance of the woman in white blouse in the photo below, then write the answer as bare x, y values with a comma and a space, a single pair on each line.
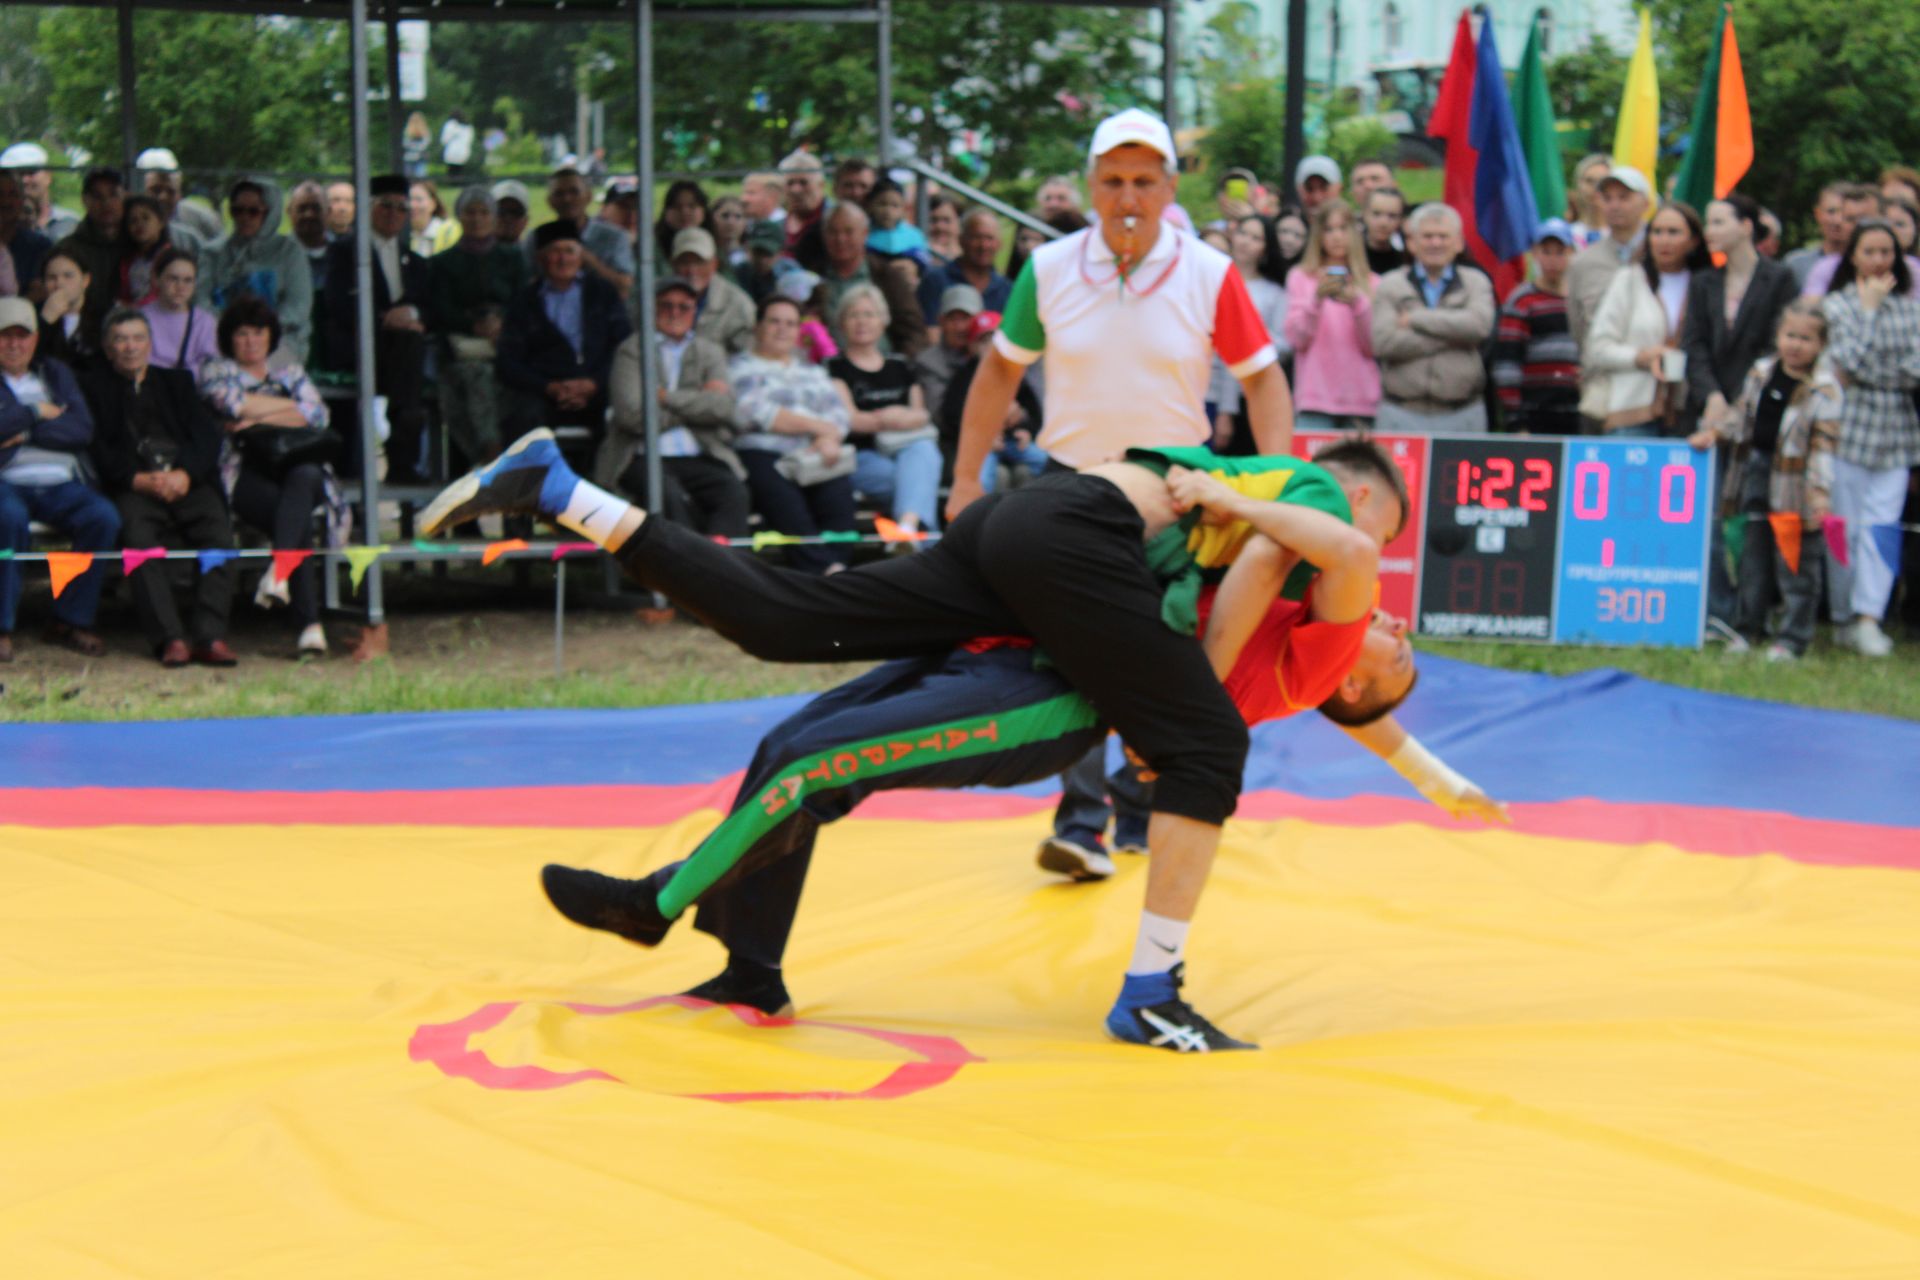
1633, 368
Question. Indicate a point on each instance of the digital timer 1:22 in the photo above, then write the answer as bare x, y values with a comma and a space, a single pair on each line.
1488, 485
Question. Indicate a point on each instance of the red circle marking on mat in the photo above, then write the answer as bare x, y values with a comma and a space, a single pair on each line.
447, 1045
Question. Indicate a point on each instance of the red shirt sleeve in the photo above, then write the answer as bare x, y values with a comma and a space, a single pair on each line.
1239, 334
1290, 663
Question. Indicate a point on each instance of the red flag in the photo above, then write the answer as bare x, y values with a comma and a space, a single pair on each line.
285, 562
1451, 122
561, 550
1835, 530
64, 566
1786, 537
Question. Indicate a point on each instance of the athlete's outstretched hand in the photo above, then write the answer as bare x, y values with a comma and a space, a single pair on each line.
1189, 489
1477, 804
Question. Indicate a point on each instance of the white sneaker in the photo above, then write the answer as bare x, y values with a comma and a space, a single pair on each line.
1738, 643
1074, 859
1718, 632
272, 593
1777, 652
1870, 640
313, 640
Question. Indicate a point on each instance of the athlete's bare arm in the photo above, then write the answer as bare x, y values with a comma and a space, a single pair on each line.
1269, 409
1349, 563
1429, 774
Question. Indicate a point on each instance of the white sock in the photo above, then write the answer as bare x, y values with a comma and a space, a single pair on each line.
1162, 944
592, 512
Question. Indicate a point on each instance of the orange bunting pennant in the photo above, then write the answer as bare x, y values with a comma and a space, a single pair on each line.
133, 557
497, 549
285, 562
1786, 537
891, 532
65, 566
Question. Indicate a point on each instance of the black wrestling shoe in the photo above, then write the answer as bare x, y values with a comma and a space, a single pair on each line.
512, 484
625, 907
1150, 1012
747, 984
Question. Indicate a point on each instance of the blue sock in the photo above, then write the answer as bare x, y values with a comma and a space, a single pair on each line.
556, 491
1142, 989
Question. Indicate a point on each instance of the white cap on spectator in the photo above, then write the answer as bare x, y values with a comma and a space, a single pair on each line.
24, 155
157, 160
1630, 178
1321, 167
697, 241
512, 189
795, 286
1134, 127
18, 313
472, 196
802, 161
961, 297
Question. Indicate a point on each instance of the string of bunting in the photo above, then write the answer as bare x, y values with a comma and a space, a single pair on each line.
64, 566
1789, 529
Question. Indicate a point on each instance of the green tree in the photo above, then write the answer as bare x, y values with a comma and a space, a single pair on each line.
1828, 88
1249, 128
24, 83
1585, 86
223, 91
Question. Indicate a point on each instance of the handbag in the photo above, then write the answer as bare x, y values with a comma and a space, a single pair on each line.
806, 468
892, 442
278, 450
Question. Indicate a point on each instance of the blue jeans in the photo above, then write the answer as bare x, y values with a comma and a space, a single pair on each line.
909, 480
1033, 458
77, 510
1084, 792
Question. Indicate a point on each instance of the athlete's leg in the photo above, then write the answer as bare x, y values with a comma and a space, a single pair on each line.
901, 607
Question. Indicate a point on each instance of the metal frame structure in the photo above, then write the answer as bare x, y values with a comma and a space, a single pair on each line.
642, 14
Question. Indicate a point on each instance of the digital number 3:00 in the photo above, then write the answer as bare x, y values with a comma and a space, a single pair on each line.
1592, 480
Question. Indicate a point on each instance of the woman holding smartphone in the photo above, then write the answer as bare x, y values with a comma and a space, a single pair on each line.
1336, 384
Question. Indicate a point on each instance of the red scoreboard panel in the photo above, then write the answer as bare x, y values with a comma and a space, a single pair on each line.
1400, 562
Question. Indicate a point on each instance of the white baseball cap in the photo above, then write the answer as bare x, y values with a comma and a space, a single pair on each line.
24, 155
1321, 167
1630, 178
157, 160
18, 313
1134, 127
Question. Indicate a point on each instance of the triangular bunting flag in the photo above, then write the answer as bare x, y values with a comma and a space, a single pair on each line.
1835, 529
762, 540
213, 557
564, 549
1733, 532
891, 532
359, 559
1786, 537
6, 553
285, 562
421, 544
133, 557
65, 566
1886, 541
497, 549
840, 535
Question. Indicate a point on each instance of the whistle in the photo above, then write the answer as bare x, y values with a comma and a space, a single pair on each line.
1129, 223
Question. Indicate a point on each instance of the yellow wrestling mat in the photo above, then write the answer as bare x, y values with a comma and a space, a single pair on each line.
313, 1051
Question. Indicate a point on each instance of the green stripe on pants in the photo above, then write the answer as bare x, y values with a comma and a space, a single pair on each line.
875, 757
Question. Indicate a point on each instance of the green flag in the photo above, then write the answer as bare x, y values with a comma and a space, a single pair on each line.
1539, 140
1695, 183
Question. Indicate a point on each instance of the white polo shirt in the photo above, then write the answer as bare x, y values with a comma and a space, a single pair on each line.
1128, 360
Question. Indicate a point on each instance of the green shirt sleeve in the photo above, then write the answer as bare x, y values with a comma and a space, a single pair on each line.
1020, 322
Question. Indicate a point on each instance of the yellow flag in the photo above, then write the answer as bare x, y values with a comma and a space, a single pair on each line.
1636, 138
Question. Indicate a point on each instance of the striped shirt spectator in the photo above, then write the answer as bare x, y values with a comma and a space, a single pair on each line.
1536, 364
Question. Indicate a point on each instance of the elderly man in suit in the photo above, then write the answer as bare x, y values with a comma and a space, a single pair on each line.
556, 345
704, 483
401, 289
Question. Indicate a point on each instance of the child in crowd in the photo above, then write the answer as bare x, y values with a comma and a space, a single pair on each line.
1016, 459
1536, 362
1783, 430
891, 235
803, 287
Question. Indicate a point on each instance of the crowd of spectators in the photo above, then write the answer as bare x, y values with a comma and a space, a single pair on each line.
813, 338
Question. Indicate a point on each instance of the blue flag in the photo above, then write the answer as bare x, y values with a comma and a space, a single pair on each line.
1503, 203
1886, 540
214, 557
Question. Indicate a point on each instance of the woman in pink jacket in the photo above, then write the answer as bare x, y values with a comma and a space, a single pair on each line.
1336, 384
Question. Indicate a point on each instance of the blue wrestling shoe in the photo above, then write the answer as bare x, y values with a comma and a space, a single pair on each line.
629, 908
529, 478
1150, 1012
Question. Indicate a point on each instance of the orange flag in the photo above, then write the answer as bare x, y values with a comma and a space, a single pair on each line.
1733, 125
497, 549
1786, 537
891, 532
65, 566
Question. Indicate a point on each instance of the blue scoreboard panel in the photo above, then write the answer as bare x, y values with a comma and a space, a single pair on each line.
1633, 543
